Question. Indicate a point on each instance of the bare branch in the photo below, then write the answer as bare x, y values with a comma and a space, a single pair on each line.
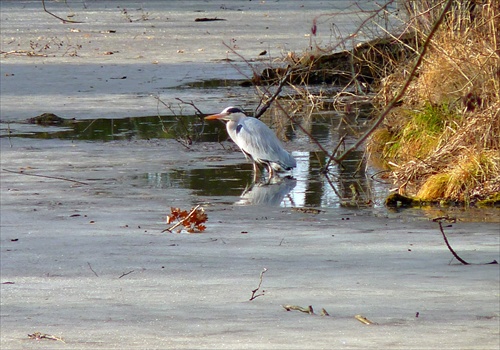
292, 119
126, 273
258, 287
268, 103
191, 103
332, 156
401, 93
438, 220
59, 18
358, 30
91, 269
45, 176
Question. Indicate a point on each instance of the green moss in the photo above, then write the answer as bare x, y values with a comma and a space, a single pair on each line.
419, 135
491, 201
432, 119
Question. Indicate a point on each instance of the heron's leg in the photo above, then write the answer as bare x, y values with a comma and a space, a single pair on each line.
255, 171
255, 167
270, 170
248, 188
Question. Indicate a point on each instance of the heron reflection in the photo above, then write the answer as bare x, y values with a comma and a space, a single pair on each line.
272, 193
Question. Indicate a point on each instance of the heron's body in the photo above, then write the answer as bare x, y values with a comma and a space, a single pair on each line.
256, 140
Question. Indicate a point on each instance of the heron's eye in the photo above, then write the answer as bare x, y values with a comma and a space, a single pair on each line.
238, 128
234, 110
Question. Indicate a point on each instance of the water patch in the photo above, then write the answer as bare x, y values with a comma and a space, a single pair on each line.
348, 185
213, 84
345, 186
325, 127
191, 128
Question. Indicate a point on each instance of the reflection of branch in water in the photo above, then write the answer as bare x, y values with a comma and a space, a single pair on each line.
327, 177
265, 194
332, 155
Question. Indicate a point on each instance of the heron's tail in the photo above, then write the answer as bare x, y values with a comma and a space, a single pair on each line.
287, 162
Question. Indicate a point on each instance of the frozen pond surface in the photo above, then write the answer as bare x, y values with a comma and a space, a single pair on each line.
109, 67
86, 260
192, 291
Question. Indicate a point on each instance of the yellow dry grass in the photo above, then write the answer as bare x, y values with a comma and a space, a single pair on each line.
461, 180
444, 141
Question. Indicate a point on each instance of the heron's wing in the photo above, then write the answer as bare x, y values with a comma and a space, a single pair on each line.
256, 139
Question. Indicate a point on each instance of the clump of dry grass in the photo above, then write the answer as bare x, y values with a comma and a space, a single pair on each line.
444, 141
464, 179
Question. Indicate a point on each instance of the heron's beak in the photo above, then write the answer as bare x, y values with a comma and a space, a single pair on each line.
215, 116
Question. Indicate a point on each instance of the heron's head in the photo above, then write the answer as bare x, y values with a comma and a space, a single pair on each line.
230, 113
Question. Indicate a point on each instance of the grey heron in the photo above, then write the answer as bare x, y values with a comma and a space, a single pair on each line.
256, 141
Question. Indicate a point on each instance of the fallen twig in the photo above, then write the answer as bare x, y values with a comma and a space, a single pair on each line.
23, 53
46, 176
438, 220
363, 319
324, 312
159, 100
60, 18
39, 336
126, 273
188, 139
446, 218
308, 310
258, 287
205, 19
448, 244
332, 155
91, 269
